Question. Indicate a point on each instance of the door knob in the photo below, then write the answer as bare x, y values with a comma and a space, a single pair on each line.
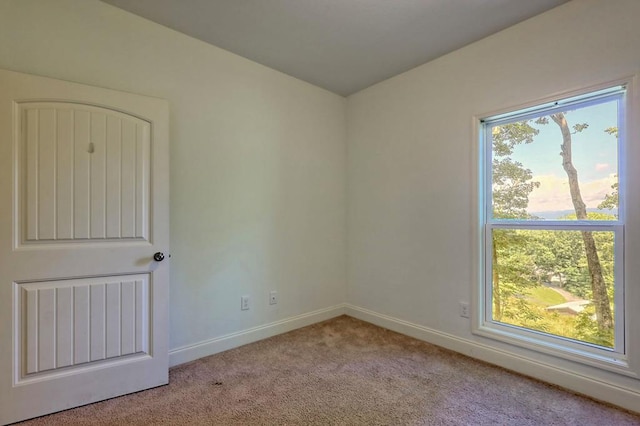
158, 257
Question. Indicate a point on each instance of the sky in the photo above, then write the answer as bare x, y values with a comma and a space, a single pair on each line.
595, 157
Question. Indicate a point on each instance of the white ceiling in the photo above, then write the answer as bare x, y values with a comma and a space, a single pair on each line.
341, 45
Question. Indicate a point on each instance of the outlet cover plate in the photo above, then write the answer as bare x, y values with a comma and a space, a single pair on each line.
244, 303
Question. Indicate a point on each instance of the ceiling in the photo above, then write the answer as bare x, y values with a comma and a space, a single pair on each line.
340, 45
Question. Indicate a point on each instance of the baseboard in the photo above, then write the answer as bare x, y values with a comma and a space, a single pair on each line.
219, 344
580, 383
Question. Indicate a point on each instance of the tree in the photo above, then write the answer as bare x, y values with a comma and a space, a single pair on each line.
598, 286
511, 187
557, 255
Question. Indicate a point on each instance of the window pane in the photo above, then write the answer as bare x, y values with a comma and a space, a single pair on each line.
542, 281
557, 166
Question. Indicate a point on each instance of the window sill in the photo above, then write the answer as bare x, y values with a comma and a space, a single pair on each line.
539, 342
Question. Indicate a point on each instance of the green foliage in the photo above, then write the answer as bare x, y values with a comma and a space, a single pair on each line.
528, 261
612, 131
587, 330
610, 200
519, 312
577, 128
511, 184
511, 180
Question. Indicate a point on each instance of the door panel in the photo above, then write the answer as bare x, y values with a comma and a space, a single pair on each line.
83, 208
85, 173
73, 322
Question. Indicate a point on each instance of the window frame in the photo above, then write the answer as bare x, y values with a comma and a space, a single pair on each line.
616, 359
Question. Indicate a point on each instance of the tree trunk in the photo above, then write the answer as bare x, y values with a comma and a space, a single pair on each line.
598, 286
497, 305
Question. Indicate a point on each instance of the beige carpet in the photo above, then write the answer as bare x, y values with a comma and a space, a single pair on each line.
344, 372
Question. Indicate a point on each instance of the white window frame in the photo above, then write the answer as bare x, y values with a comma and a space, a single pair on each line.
616, 359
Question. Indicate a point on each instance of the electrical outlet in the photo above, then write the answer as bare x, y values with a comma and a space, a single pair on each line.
464, 309
273, 297
244, 303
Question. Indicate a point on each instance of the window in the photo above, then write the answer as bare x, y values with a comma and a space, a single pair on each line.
552, 217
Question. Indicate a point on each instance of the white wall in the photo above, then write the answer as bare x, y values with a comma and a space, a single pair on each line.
257, 162
410, 177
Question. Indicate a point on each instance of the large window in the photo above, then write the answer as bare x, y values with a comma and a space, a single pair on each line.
553, 227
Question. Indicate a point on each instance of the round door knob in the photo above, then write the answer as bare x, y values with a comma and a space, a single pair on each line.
158, 257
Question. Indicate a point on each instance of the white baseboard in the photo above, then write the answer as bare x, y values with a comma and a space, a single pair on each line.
580, 383
219, 344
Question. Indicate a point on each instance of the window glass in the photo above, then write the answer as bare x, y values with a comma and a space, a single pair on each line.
552, 229
542, 282
530, 159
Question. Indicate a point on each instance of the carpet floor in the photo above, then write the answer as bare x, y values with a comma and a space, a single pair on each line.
344, 372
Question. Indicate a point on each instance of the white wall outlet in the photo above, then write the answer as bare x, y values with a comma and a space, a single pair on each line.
464, 309
244, 303
273, 297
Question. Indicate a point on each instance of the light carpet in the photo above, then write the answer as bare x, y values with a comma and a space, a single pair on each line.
344, 372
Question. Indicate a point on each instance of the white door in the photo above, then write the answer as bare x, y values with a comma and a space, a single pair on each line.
83, 209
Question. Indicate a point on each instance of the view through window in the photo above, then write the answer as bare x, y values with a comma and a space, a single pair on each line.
553, 232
